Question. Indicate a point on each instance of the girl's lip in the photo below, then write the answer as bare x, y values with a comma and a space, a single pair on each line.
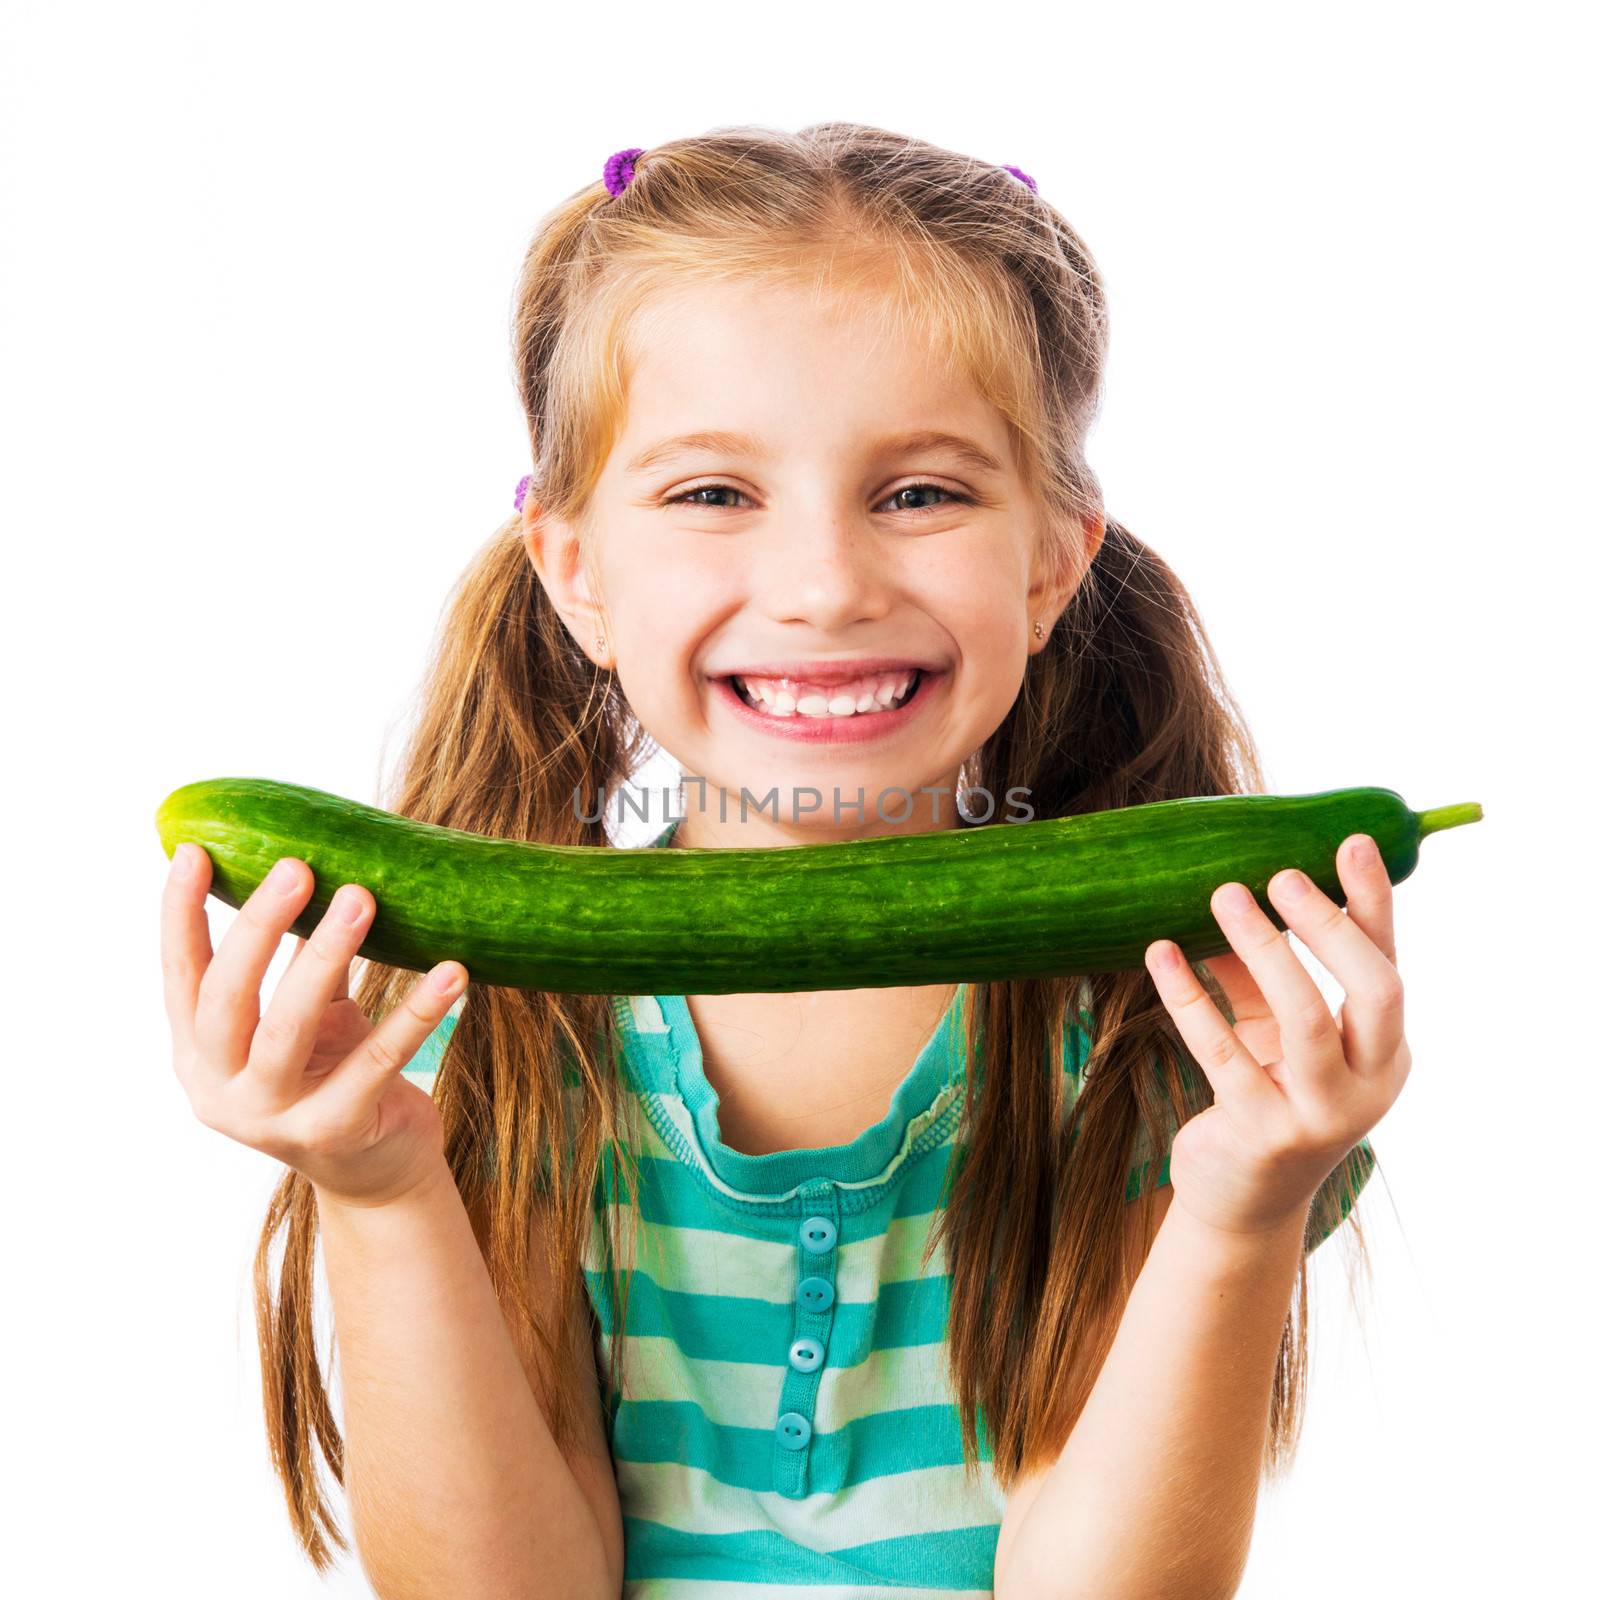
828, 671
857, 729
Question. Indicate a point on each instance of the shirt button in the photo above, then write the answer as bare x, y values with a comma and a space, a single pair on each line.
816, 1294
817, 1235
793, 1431
805, 1355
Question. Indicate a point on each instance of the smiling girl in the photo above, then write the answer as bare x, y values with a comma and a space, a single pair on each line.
990, 1287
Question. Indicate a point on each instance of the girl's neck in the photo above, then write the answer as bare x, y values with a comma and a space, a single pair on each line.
810, 1069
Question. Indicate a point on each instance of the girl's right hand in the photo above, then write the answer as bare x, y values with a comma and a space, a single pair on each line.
312, 1082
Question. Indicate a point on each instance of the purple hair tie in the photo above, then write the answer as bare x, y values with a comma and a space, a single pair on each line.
619, 169
1019, 173
522, 489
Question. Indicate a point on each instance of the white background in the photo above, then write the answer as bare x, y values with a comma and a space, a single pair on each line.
258, 412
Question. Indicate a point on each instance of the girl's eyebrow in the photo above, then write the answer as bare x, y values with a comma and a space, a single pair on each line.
969, 453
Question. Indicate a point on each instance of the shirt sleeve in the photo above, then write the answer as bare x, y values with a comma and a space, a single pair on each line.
1331, 1204
423, 1067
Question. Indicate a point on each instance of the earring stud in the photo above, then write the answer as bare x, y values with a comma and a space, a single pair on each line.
1038, 629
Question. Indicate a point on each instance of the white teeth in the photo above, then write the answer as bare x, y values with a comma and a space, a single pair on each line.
782, 702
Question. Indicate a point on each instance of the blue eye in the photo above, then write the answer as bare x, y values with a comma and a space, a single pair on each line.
686, 498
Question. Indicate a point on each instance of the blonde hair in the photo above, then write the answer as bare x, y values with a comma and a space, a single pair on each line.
1124, 704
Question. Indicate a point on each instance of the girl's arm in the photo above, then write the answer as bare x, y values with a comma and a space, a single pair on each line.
1154, 1493
1153, 1497
456, 1487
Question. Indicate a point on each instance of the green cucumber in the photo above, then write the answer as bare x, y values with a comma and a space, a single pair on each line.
1059, 895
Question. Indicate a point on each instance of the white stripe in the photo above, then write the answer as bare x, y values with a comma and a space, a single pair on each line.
647, 1017
690, 1260
743, 1394
895, 1378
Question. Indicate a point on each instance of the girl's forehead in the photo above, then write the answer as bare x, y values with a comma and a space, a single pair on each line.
669, 319
752, 377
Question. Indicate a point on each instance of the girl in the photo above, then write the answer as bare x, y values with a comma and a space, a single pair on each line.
852, 1292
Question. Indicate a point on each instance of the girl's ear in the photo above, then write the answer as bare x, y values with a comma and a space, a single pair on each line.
1049, 593
556, 554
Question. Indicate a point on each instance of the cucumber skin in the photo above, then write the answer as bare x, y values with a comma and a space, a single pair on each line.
1069, 895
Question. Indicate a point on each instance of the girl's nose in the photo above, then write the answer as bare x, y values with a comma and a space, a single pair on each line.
825, 570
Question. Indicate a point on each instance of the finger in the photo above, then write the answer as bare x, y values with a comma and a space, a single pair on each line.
1236, 1077
1373, 1014
357, 1083
1245, 998
281, 1044
185, 948
341, 989
1373, 1023
1369, 895
229, 1005
1311, 1051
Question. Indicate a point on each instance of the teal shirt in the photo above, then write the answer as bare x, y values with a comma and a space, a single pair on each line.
788, 1424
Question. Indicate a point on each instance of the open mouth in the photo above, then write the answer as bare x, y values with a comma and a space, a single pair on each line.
861, 698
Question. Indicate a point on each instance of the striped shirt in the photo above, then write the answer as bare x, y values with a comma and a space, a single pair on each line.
788, 1425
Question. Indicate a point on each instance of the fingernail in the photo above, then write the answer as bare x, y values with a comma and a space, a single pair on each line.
446, 979
1363, 853
1292, 884
282, 877
1235, 897
181, 862
350, 906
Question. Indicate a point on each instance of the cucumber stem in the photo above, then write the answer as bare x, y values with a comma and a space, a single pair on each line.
1447, 817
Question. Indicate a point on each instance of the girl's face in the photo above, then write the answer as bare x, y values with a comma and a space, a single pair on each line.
834, 535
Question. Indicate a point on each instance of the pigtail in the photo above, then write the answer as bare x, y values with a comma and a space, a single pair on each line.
1125, 705
514, 721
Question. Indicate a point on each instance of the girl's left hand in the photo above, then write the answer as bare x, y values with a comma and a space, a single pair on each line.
1295, 1088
